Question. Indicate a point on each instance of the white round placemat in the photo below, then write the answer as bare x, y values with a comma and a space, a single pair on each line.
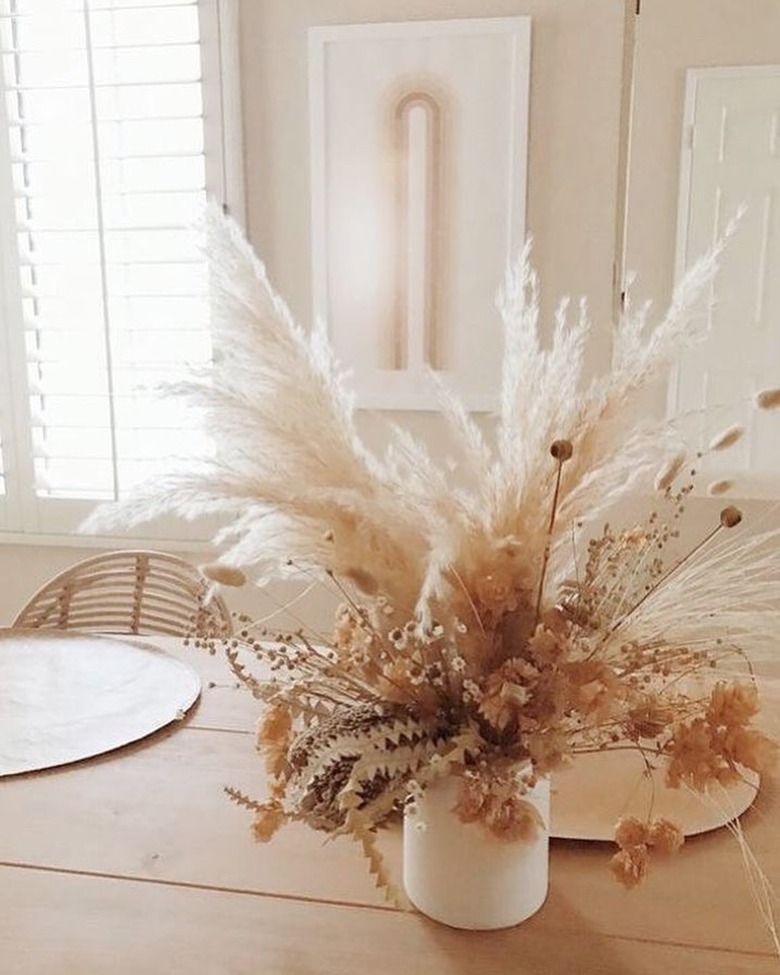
68, 696
594, 791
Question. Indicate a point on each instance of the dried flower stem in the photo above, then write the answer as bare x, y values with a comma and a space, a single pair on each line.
470, 601
675, 568
561, 450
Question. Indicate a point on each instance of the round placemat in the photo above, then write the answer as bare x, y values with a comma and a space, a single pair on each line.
595, 790
68, 696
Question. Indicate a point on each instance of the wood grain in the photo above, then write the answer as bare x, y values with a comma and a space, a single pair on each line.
56, 924
137, 862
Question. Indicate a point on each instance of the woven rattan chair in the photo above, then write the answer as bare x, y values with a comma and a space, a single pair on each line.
132, 591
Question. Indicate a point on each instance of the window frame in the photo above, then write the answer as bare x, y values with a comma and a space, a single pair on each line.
24, 518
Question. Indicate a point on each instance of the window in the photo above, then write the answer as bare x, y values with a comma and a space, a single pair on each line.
113, 135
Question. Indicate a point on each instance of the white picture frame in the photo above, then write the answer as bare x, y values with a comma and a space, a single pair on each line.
419, 135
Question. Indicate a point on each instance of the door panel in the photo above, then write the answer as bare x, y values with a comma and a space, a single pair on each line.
731, 158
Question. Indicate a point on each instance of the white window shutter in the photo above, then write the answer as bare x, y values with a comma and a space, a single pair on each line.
107, 171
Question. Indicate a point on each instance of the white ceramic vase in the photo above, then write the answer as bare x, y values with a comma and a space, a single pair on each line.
460, 875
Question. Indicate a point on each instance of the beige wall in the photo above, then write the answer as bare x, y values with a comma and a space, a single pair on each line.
24, 568
574, 132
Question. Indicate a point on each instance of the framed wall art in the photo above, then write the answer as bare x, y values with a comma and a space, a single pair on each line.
418, 173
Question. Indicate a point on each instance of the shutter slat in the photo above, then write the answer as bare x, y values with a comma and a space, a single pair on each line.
25, 10
102, 85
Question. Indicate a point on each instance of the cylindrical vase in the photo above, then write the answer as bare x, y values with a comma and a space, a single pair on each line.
460, 874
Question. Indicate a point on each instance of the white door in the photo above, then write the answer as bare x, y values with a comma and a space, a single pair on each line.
731, 157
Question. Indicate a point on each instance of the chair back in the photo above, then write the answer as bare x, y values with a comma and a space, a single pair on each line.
130, 591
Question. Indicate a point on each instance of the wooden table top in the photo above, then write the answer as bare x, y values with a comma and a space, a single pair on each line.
136, 862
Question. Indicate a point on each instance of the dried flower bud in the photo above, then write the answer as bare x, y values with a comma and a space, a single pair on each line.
670, 470
767, 399
665, 836
561, 450
732, 704
715, 488
629, 867
629, 832
753, 749
225, 575
268, 818
730, 516
726, 438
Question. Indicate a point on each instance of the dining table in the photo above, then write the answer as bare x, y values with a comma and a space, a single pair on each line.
136, 862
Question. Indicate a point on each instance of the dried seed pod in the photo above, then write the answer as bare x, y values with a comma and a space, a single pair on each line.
561, 450
730, 516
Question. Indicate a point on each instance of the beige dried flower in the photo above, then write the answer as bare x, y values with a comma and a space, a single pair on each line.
346, 628
499, 705
695, 758
732, 704
727, 438
497, 805
546, 647
629, 867
269, 817
514, 820
753, 749
767, 399
273, 737
630, 831
665, 836
548, 749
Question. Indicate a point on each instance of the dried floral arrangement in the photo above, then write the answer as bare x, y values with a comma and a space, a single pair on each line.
482, 632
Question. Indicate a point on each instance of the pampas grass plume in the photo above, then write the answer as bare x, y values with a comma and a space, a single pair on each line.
727, 438
670, 470
722, 486
225, 575
767, 399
